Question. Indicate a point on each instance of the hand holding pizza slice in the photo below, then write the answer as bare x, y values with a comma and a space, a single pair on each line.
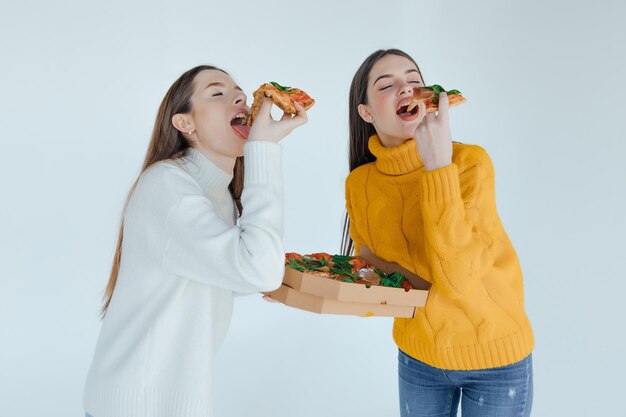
283, 97
430, 96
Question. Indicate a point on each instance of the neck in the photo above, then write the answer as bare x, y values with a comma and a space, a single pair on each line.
389, 141
224, 162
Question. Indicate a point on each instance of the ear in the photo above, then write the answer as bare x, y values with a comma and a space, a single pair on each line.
365, 114
183, 123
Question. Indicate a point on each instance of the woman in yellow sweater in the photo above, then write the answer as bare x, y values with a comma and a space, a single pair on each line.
421, 204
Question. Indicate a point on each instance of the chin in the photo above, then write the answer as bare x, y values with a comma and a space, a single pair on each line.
404, 134
407, 133
236, 152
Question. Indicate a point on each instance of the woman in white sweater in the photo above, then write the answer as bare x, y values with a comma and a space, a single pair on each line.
195, 230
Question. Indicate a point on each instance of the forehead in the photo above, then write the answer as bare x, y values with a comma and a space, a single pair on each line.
394, 65
206, 77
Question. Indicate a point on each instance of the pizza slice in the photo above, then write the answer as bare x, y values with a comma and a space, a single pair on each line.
283, 97
430, 96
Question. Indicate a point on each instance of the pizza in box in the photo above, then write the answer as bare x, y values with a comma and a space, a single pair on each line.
343, 268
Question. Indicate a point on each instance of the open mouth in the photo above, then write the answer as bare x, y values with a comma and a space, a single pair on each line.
239, 123
404, 113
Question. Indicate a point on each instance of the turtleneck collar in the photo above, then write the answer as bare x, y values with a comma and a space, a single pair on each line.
213, 180
396, 160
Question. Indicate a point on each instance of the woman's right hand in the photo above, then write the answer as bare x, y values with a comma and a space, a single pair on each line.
433, 138
269, 299
265, 128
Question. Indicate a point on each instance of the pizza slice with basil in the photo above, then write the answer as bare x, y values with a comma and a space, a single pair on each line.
430, 96
283, 97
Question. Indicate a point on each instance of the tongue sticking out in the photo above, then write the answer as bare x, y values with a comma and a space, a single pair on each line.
242, 130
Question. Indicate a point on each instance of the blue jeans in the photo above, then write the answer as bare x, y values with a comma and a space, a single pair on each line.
506, 391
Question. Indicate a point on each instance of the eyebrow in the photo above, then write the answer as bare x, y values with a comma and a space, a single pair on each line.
218, 84
389, 75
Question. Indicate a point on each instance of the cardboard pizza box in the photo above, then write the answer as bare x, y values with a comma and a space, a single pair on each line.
320, 305
352, 292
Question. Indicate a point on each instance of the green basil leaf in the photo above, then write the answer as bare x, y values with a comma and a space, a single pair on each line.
293, 264
281, 88
341, 258
437, 89
338, 271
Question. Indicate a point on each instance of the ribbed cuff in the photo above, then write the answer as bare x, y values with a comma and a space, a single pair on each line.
263, 163
440, 185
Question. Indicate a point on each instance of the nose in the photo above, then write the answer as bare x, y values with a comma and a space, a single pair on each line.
406, 89
240, 98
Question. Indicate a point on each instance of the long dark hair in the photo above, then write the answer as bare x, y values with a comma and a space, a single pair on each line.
167, 143
360, 131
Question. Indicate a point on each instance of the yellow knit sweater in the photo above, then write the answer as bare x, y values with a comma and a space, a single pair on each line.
443, 226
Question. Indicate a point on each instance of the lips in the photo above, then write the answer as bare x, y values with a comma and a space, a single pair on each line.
239, 123
401, 110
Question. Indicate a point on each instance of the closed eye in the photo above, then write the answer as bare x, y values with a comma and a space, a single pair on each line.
217, 94
415, 82
384, 88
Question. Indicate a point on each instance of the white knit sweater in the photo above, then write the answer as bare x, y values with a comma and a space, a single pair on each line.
184, 254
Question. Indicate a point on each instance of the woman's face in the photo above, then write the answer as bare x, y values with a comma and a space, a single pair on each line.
218, 114
389, 88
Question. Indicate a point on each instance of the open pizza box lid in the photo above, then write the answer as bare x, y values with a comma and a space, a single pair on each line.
330, 289
320, 305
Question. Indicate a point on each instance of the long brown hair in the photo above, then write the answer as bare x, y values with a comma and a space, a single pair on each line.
167, 143
360, 131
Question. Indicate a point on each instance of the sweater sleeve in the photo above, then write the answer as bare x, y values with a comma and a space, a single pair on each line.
247, 257
459, 235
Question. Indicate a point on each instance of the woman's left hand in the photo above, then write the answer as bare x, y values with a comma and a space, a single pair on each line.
433, 138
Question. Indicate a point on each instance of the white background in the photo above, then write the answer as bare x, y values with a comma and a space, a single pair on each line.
79, 88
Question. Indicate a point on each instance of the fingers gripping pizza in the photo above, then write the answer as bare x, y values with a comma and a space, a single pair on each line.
283, 97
